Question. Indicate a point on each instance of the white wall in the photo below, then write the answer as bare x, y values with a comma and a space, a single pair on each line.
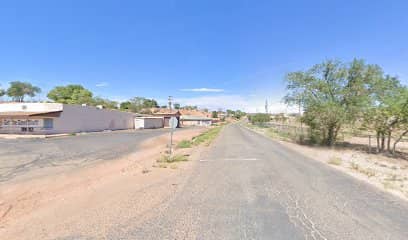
149, 123
76, 118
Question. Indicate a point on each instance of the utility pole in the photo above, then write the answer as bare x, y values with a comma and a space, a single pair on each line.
266, 106
170, 103
300, 120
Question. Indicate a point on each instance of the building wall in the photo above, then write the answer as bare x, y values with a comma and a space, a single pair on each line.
73, 118
205, 123
30, 107
76, 118
149, 123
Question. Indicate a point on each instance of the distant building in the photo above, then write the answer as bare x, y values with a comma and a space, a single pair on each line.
188, 120
149, 122
52, 118
166, 115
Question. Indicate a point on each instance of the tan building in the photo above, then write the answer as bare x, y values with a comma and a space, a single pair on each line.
52, 118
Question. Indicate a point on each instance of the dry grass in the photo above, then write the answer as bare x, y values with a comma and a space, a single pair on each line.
335, 161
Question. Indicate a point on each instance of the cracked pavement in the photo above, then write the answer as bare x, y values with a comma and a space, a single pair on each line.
19, 157
250, 187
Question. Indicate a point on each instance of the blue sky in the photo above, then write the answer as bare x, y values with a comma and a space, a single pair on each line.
230, 54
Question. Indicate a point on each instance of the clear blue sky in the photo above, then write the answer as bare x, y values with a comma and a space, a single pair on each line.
240, 49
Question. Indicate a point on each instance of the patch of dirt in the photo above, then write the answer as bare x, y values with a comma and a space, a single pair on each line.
94, 198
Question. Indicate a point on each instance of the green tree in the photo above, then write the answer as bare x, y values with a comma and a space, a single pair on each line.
260, 118
332, 94
106, 103
71, 94
18, 90
238, 114
139, 104
2, 92
214, 114
125, 105
399, 107
379, 117
177, 106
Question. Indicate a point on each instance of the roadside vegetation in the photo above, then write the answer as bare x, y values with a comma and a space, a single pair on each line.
205, 138
336, 95
184, 144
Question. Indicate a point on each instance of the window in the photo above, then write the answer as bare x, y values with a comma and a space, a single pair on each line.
48, 123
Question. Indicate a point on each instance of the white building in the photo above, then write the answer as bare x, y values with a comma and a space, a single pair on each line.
149, 122
187, 120
52, 118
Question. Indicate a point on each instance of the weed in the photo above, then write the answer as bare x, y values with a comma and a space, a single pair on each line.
162, 165
173, 166
172, 159
388, 185
369, 172
184, 144
206, 137
145, 170
354, 166
335, 161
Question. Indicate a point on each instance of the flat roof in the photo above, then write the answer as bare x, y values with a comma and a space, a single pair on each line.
30, 114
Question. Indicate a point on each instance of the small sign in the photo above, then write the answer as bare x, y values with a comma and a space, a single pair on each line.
173, 122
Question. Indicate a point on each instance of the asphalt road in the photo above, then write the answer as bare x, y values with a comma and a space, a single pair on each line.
249, 187
20, 156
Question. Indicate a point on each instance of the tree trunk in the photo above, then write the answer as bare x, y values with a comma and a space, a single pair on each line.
389, 141
382, 141
378, 141
398, 140
330, 136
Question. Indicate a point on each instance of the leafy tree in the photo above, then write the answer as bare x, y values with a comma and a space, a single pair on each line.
214, 114
379, 117
177, 106
399, 108
2, 92
230, 113
125, 105
139, 104
71, 94
18, 90
238, 114
106, 103
190, 107
332, 94
260, 118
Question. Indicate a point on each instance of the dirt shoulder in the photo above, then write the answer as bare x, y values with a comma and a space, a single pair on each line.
91, 200
386, 173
